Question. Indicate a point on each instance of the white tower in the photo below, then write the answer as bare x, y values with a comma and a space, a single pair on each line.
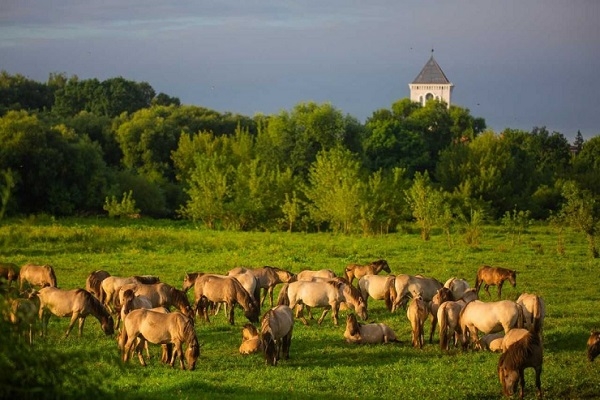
431, 83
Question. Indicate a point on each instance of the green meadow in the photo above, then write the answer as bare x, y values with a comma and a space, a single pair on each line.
322, 364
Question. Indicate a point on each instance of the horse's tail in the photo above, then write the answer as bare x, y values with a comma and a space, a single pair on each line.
520, 316
283, 298
443, 321
477, 282
347, 271
536, 313
389, 293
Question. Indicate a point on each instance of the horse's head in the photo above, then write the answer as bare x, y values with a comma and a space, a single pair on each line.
352, 325
252, 311
188, 281
108, 325
509, 378
192, 353
385, 266
593, 345
512, 278
269, 348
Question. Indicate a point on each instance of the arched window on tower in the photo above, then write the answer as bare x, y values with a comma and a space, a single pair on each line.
428, 97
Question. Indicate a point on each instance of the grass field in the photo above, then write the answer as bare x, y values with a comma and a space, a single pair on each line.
322, 364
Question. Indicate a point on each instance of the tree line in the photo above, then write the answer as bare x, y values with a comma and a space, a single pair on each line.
75, 146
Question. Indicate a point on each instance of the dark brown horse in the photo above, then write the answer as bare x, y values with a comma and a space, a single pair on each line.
37, 275
10, 272
77, 304
593, 345
525, 353
358, 271
494, 276
277, 326
94, 281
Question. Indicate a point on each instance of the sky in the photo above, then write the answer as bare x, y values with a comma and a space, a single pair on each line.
517, 64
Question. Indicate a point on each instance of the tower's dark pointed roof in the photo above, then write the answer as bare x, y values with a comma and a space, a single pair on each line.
431, 73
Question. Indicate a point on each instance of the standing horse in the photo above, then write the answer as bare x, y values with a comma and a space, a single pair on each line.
160, 295
109, 288
527, 352
328, 294
358, 271
276, 328
379, 288
417, 314
10, 272
24, 313
489, 318
77, 304
443, 295
407, 286
268, 278
37, 275
457, 286
94, 280
308, 275
227, 289
534, 308
160, 328
368, 333
494, 276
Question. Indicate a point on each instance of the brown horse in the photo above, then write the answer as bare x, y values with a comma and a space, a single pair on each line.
109, 287
443, 295
77, 304
373, 333
268, 278
160, 295
94, 280
494, 276
223, 289
251, 342
358, 271
417, 314
593, 345
10, 272
276, 328
37, 275
160, 328
527, 352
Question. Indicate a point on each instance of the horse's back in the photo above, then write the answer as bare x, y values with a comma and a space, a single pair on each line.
280, 319
313, 294
491, 317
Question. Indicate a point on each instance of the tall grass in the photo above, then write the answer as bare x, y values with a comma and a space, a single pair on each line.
322, 365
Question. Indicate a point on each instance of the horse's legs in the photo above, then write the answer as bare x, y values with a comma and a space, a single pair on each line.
500, 290
538, 381
522, 382
139, 347
72, 323
231, 312
487, 289
300, 313
433, 326
81, 322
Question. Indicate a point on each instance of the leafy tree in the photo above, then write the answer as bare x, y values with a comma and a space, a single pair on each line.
426, 203
586, 166
163, 99
579, 211
126, 207
578, 143
20, 93
5, 189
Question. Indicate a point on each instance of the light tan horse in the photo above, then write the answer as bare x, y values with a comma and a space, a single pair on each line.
448, 316
276, 329
109, 288
308, 274
478, 316
94, 280
534, 308
458, 287
268, 278
24, 313
327, 294
160, 328
251, 342
494, 276
223, 289
9, 272
373, 333
417, 313
407, 286
443, 295
379, 287
358, 271
77, 304
160, 295
37, 275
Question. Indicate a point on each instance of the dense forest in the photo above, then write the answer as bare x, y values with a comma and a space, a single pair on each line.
115, 147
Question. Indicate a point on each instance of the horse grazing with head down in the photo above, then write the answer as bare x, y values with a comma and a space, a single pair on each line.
526, 352
494, 276
94, 280
358, 271
276, 328
37, 275
174, 328
9, 272
77, 304
268, 277
373, 333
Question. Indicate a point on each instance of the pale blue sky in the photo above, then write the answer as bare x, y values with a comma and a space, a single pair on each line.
518, 64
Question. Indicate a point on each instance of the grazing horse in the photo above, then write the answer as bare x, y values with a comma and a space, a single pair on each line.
276, 328
109, 288
457, 286
10, 272
94, 280
448, 316
308, 275
37, 275
160, 295
251, 342
268, 278
534, 308
443, 295
367, 333
489, 318
160, 328
77, 304
407, 286
379, 288
494, 276
593, 345
24, 313
129, 301
328, 294
527, 352
417, 314
224, 289
358, 271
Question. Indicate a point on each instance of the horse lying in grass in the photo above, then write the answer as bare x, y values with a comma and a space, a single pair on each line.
374, 333
251, 342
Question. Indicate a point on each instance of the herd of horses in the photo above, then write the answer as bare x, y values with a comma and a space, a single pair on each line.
152, 311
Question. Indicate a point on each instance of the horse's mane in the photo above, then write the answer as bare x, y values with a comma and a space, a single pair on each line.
178, 297
94, 281
520, 351
52, 274
354, 325
97, 308
147, 279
